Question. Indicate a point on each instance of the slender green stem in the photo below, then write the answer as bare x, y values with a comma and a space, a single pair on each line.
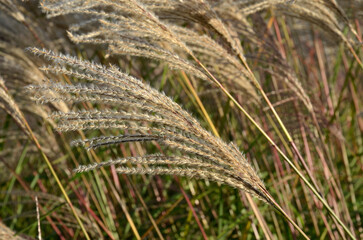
279, 209
277, 148
35, 140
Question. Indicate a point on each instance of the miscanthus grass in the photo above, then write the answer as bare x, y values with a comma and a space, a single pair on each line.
143, 114
278, 78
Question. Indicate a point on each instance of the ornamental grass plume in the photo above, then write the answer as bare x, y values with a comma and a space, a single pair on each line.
267, 73
142, 114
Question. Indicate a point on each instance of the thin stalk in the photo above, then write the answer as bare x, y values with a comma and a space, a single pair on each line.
162, 217
118, 198
262, 223
35, 140
200, 104
28, 191
275, 146
260, 219
45, 158
148, 212
280, 210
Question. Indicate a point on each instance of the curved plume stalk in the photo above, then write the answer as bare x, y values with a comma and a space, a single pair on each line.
146, 115
8, 104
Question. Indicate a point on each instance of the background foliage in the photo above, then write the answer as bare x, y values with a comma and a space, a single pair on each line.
279, 79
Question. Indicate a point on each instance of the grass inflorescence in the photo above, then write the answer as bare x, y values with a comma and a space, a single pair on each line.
169, 119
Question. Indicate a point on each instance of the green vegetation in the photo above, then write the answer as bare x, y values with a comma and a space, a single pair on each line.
181, 119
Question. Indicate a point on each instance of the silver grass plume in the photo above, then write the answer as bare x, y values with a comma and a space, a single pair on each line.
156, 30
326, 14
143, 114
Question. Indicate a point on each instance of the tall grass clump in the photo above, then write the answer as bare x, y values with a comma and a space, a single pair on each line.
163, 95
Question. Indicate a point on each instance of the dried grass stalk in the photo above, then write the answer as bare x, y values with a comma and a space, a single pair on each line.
8, 104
